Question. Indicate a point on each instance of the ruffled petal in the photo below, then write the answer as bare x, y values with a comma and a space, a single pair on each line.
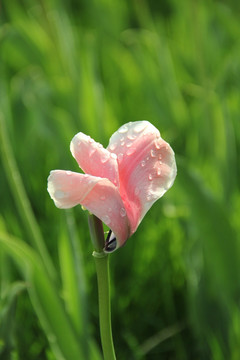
98, 195
93, 159
147, 167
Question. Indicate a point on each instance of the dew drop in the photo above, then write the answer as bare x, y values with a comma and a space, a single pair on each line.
59, 194
150, 177
68, 172
143, 163
113, 156
147, 158
112, 146
159, 171
120, 157
157, 145
103, 197
92, 151
90, 140
137, 191
159, 157
130, 151
129, 144
153, 153
149, 197
139, 127
131, 137
123, 212
122, 143
106, 219
105, 157
123, 129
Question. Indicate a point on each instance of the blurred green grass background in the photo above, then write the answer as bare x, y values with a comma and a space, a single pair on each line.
91, 66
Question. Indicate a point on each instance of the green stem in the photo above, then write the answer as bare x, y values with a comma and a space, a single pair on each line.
102, 268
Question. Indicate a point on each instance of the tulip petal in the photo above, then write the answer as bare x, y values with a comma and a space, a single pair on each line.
93, 159
98, 195
146, 165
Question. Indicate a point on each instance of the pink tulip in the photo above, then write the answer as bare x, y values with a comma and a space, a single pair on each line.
121, 182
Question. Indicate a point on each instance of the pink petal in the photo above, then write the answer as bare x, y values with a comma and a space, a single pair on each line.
98, 195
147, 167
93, 159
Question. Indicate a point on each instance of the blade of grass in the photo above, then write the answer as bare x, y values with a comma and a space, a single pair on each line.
48, 306
73, 278
21, 199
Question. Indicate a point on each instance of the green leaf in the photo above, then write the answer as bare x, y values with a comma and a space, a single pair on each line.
47, 304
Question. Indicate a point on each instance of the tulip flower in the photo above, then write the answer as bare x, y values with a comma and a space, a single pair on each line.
121, 182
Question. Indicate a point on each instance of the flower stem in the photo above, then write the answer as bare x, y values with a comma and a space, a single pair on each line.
102, 268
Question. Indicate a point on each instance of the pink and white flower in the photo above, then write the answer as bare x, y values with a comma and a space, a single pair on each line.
121, 182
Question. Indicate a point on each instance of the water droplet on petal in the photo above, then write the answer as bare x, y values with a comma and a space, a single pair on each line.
113, 156
157, 144
68, 172
139, 127
106, 219
122, 143
123, 129
149, 197
59, 194
120, 157
90, 140
143, 163
105, 157
129, 144
147, 158
130, 151
159, 171
150, 177
131, 137
159, 157
137, 191
123, 212
112, 146
153, 153
102, 197
92, 151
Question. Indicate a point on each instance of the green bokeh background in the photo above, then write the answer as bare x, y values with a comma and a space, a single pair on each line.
91, 66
